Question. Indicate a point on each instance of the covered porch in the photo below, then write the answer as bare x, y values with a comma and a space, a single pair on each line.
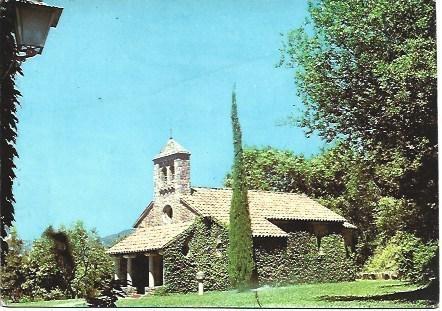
139, 257
140, 271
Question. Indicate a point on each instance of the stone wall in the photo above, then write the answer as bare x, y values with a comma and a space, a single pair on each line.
156, 217
171, 180
279, 261
297, 259
171, 175
203, 247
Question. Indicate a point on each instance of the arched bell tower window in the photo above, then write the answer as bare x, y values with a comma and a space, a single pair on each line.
172, 174
167, 214
164, 175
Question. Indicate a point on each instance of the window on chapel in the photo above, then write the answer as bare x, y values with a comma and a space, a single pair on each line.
167, 214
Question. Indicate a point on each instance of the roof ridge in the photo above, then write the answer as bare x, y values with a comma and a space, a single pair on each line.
255, 190
213, 188
171, 147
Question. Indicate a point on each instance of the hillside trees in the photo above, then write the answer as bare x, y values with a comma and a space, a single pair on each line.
335, 178
366, 72
93, 265
44, 279
240, 251
67, 263
11, 274
339, 180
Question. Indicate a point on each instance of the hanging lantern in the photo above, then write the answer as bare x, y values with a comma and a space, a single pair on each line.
32, 22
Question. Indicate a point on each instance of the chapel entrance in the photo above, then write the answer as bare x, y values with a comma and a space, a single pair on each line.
158, 274
147, 272
156, 270
141, 276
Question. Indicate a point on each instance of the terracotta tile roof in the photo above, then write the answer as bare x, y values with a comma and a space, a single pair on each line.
263, 205
209, 202
171, 147
150, 238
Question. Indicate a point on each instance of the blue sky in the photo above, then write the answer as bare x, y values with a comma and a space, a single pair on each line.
115, 76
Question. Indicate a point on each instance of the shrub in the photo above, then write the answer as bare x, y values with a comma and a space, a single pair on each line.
161, 291
408, 256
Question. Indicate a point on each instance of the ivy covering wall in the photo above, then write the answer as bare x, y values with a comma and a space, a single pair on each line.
297, 260
279, 261
205, 243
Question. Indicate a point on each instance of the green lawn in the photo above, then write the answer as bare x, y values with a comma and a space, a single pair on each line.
51, 303
333, 295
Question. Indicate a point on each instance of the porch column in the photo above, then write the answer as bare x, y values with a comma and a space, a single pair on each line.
116, 268
129, 268
151, 272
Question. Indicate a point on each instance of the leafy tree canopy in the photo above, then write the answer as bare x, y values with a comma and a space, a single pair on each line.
67, 263
341, 181
11, 278
366, 72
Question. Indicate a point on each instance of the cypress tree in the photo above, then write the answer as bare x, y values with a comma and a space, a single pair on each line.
240, 250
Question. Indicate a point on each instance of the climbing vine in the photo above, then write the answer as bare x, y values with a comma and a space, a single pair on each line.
279, 261
298, 260
9, 68
200, 248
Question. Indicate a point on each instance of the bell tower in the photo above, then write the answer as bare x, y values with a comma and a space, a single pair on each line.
171, 170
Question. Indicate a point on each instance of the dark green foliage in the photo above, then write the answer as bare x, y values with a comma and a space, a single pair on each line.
68, 263
12, 275
62, 250
206, 243
274, 262
240, 250
9, 67
336, 178
44, 277
108, 296
366, 72
406, 255
273, 170
297, 260
93, 265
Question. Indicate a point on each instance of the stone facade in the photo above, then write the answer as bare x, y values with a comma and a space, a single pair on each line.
157, 214
278, 261
173, 241
203, 247
171, 178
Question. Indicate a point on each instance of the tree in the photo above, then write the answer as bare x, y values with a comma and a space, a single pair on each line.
62, 250
11, 273
240, 251
67, 263
273, 170
366, 72
92, 265
334, 177
9, 67
44, 277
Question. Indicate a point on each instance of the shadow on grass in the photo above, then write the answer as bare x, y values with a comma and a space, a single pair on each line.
393, 285
429, 293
